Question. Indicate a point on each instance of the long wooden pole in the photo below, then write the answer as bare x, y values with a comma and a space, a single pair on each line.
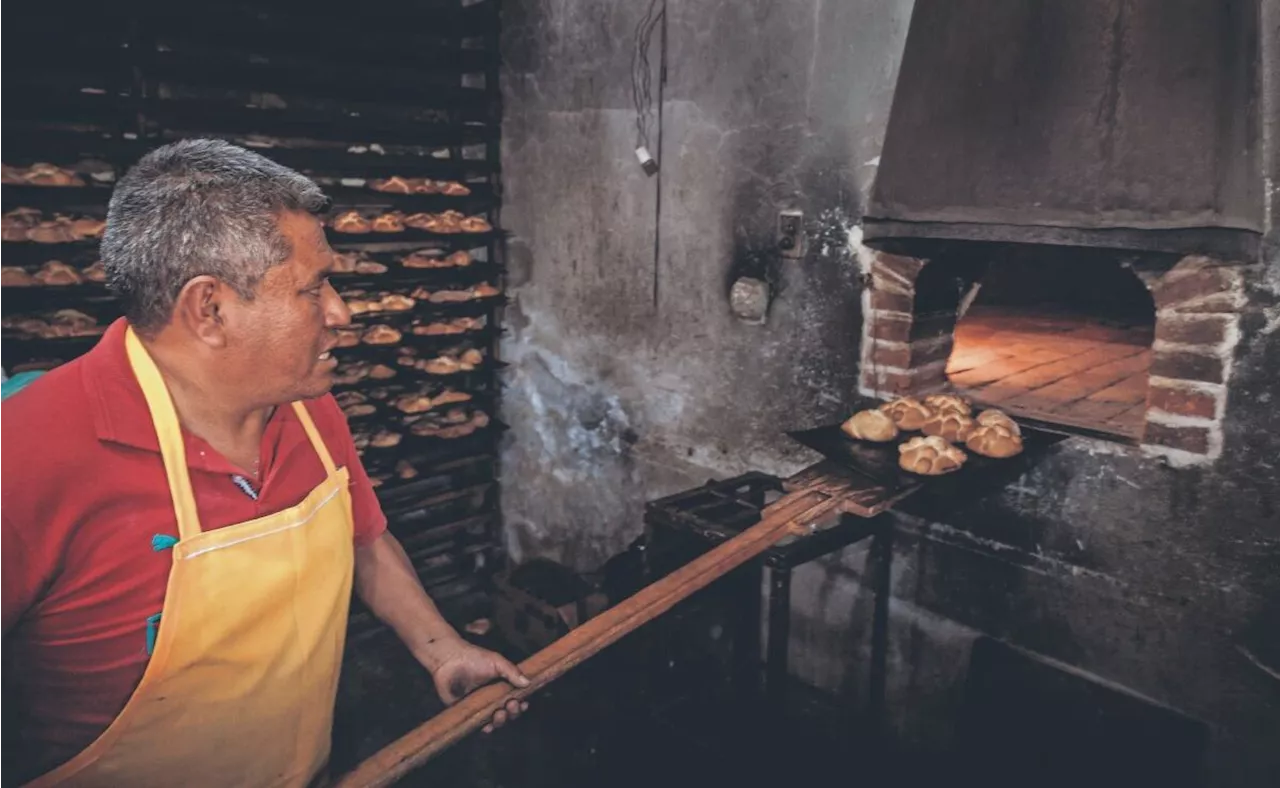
476, 710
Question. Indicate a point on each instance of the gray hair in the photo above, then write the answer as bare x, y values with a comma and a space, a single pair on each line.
193, 208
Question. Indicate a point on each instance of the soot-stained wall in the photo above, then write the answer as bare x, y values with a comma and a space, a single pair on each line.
630, 378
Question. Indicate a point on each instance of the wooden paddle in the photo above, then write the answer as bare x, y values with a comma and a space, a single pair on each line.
816, 494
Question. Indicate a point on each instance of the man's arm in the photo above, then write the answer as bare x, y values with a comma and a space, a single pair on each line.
385, 581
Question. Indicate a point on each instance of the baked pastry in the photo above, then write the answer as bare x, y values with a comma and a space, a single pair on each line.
381, 372
73, 323
994, 440
363, 409
388, 223
870, 425
449, 397
459, 325
348, 398
405, 470
907, 412
450, 296
419, 221
14, 276
345, 262
471, 358
26, 327
442, 365
453, 189
350, 222
425, 258
369, 267
45, 174
990, 418
381, 334
11, 176
56, 231
929, 456
426, 186
95, 273
13, 232
475, 224
393, 185
485, 290
950, 425
414, 403
459, 259
361, 306
87, 227
57, 273
385, 439
948, 402
348, 337
361, 440
394, 302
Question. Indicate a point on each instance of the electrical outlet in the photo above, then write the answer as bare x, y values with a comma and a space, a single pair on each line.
791, 234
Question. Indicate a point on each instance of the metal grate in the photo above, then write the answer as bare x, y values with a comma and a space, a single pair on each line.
407, 89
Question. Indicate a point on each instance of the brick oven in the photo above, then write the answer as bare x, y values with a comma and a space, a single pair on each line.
1063, 235
1161, 382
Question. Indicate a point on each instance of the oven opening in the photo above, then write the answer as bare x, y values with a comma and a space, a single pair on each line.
1062, 336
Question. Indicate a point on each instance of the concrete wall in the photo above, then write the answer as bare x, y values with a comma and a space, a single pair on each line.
631, 379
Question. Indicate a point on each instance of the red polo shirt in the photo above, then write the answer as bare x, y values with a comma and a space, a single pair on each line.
84, 492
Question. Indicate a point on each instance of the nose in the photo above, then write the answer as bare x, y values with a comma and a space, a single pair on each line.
336, 313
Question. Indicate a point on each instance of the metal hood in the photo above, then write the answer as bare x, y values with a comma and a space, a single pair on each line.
1128, 124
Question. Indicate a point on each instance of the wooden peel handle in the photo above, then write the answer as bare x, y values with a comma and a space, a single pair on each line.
477, 709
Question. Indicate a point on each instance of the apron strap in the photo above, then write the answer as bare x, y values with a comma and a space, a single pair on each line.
316, 442
169, 432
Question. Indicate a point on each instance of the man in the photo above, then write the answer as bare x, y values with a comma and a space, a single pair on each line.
184, 514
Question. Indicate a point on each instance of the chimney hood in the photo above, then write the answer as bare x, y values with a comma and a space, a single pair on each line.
1122, 124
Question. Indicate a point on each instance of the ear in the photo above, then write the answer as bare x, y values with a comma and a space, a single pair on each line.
199, 310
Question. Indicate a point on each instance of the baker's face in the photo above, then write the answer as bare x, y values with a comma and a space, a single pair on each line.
282, 338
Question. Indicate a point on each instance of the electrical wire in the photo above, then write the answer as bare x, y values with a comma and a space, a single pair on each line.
642, 71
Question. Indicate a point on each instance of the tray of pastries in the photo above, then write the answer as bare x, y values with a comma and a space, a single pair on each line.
910, 441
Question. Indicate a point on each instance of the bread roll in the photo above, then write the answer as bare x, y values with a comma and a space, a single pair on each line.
870, 425
381, 335
388, 223
351, 222
57, 273
988, 418
950, 425
14, 276
474, 224
948, 402
994, 440
930, 456
907, 412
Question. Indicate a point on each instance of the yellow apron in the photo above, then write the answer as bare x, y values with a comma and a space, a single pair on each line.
241, 684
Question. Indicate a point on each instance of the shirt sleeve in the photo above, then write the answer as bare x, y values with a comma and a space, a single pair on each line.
366, 512
23, 574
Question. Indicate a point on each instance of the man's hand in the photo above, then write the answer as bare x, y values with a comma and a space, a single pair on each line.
458, 667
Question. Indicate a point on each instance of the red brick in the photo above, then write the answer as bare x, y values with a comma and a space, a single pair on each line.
891, 355
1178, 287
888, 382
1193, 329
902, 383
1182, 402
1192, 439
1186, 366
890, 302
890, 328
931, 326
906, 268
